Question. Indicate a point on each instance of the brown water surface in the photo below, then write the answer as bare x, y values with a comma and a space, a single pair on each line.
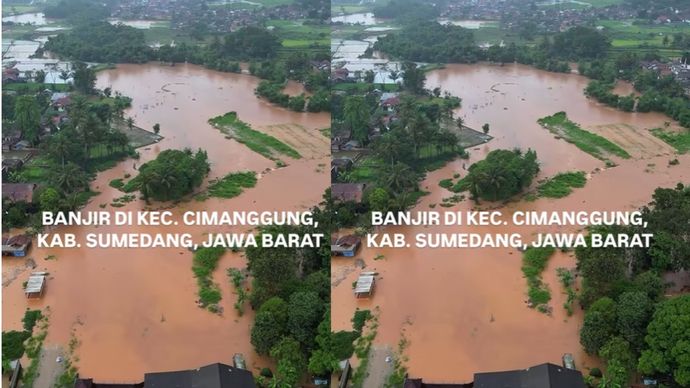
133, 310
464, 310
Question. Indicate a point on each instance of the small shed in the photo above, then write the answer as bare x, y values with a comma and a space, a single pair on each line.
345, 246
365, 284
16, 245
35, 285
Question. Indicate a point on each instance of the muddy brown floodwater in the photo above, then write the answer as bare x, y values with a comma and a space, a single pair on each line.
464, 310
133, 310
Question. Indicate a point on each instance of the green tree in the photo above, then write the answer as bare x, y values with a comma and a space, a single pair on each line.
27, 116
668, 341
598, 326
69, 178
633, 312
266, 332
379, 199
50, 200
172, 175
413, 77
156, 128
357, 117
84, 78
398, 178
304, 314
290, 359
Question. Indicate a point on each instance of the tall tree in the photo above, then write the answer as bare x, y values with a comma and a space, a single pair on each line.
27, 116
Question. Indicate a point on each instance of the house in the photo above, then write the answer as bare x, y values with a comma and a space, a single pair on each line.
210, 376
351, 145
10, 139
17, 192
10, 75
340, 75
60, 100
16, 246
345, 246
347, 192
418, 383
339, 165
540, 376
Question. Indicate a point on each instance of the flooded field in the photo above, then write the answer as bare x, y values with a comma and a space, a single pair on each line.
364, 18
35, 18
135, 308
464, 310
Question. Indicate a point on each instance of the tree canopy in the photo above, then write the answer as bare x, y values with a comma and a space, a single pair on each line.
172, 175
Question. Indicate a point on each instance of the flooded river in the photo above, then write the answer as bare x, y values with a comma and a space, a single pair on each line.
464, 310
133, 310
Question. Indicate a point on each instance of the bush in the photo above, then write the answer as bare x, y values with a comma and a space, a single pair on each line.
30, 319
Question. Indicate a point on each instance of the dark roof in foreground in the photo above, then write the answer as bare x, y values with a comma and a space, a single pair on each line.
540, 376
210, 376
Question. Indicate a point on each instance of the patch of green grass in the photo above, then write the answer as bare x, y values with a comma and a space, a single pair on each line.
117, 183
258, 142
33, 87
678, 140
204, 263
231, 185
534, 261
589, 142
562, 184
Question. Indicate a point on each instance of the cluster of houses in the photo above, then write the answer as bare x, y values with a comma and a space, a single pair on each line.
559, 15
218, 16
679, 69
20, 70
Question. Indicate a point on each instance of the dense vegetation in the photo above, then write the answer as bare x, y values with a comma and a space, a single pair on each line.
100, 41
171, 176
501, 175
433, 42
87, 143
628, 322
291, 295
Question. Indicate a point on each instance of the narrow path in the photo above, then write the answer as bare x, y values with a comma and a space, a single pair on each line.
380, 366
49, 369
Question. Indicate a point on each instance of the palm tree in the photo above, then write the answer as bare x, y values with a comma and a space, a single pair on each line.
59, 147
71, 202
399, 177
27, 116
69, 178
